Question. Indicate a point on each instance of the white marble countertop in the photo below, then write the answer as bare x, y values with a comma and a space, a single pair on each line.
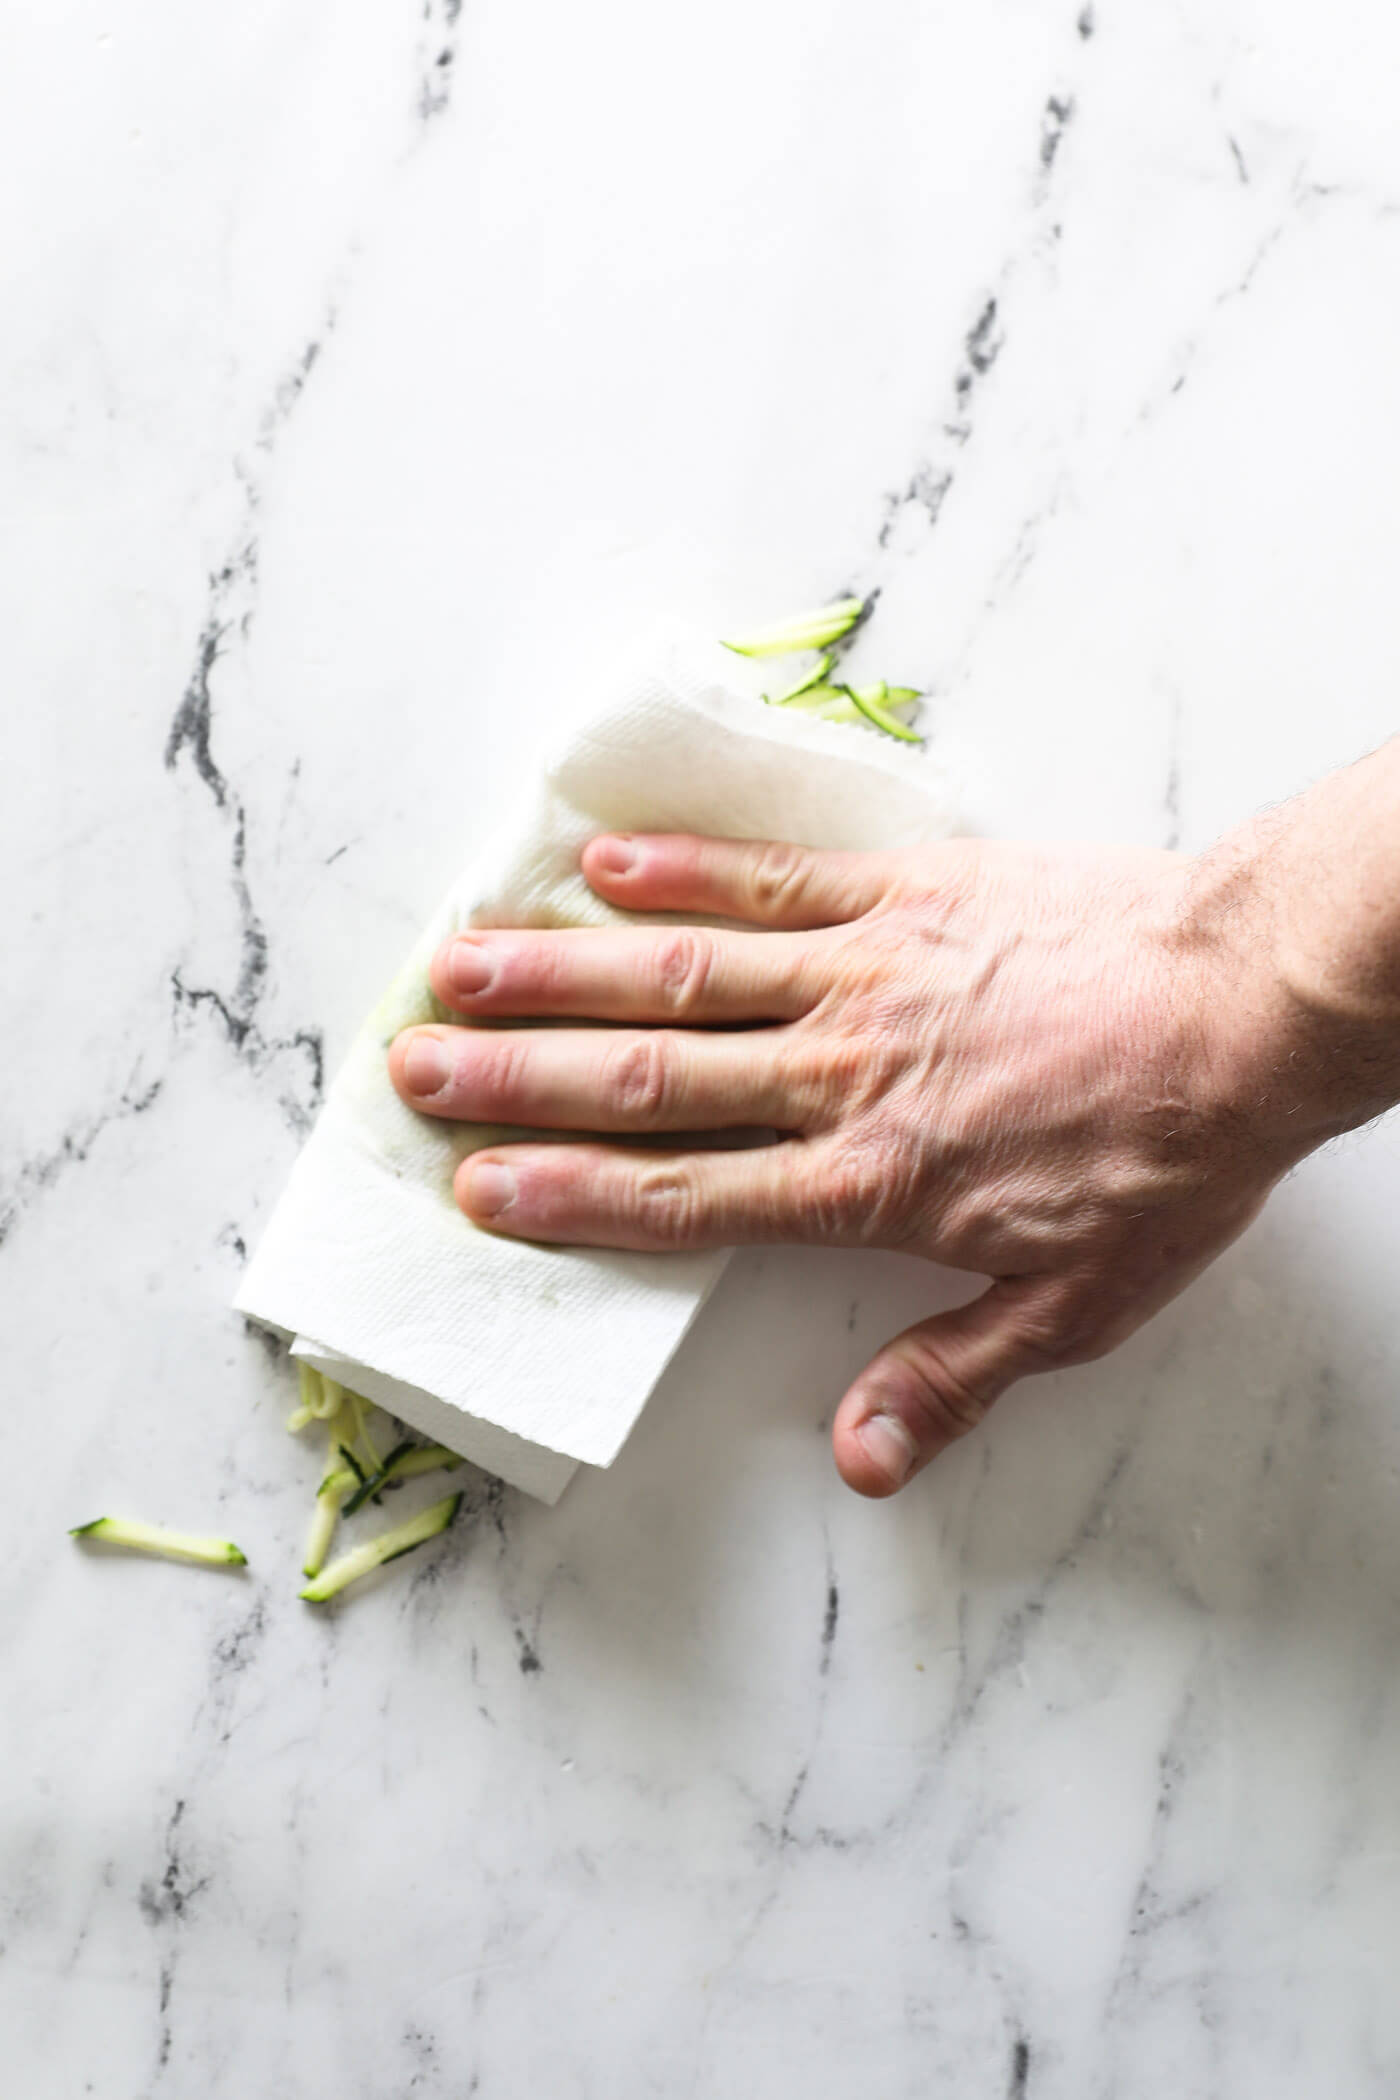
366, 371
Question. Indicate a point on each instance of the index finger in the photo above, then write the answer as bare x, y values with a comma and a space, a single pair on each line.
766, 881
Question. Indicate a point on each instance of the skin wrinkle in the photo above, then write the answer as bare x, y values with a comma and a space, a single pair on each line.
1078, 1072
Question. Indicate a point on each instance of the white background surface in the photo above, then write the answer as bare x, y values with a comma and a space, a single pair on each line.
366, 371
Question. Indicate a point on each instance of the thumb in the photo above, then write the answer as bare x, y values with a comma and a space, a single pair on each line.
929, 1386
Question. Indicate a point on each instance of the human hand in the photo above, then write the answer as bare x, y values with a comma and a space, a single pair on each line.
1026, 1063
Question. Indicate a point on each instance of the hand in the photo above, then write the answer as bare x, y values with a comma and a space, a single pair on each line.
1014, 1061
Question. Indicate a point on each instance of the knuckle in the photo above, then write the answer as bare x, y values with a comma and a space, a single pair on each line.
877, 1037
640, 1080
684, 962
947, 1407
864, 1063
778, 875
865, 1195
846, 1068
666, 1207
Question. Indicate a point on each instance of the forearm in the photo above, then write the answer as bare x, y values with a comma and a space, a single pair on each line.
1304, 905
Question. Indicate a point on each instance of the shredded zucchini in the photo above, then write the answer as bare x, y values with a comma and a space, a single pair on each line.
829, 703
814, 693
308, 1398
331, 1399
376, 1552
169, 1545
423, 1458
369, 1488
875, 710
321, 1530
816, 676
347, 1483
340, 1481
810, 630
844, 703
405, 1462
318, 1397
351, 1461
330, 1494
362, 1429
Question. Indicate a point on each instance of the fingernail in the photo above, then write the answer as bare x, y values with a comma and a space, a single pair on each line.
616, 856
886, 1442
426, 1065
470, 967
490, 1188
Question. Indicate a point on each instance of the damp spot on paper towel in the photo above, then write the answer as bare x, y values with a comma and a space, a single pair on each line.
409, 1002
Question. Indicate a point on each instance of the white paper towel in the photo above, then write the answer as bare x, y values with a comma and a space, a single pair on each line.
530, 1359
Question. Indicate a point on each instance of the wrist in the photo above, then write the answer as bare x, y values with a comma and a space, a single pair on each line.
1300, 993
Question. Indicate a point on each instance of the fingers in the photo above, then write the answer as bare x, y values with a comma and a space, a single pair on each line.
654, 1202
929, 1386
620, 1079
790, 887
642, 973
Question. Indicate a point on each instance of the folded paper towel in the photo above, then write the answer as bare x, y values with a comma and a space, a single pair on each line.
531, 1359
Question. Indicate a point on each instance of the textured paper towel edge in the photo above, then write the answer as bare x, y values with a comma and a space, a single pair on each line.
533, 1468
